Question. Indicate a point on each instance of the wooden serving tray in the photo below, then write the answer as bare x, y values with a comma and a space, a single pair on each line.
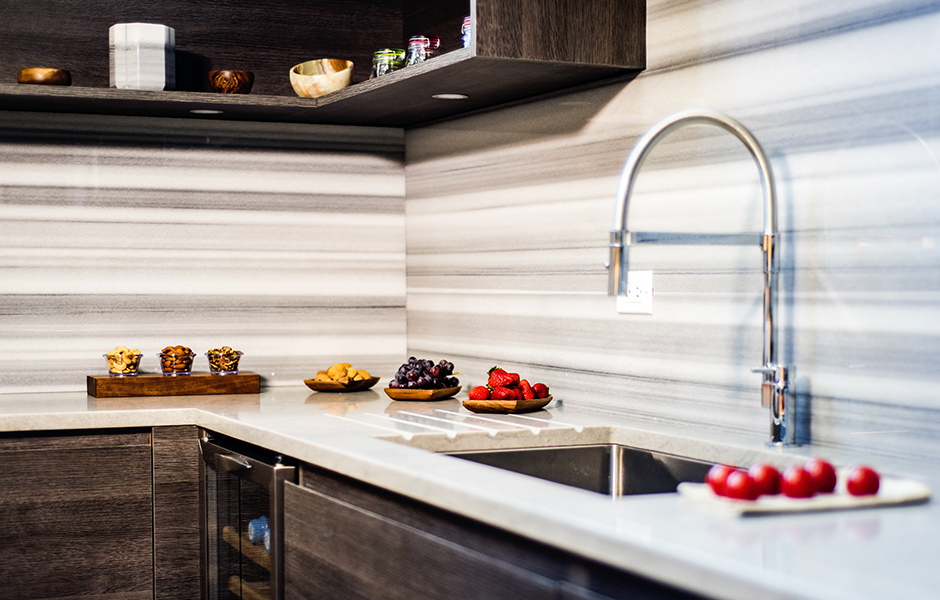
506, 407
421, 395
337, 387
156, 384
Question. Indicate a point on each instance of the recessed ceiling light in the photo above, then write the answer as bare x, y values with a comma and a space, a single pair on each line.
205, 111
450, 96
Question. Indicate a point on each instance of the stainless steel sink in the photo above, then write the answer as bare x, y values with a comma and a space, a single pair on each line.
609, 469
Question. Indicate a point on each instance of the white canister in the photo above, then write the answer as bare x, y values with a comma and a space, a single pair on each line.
143, 56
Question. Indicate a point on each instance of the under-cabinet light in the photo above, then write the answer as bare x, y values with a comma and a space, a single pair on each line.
205, 111
450, 96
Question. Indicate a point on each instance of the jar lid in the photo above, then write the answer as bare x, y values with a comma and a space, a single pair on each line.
434, 42
389, 53
418, 40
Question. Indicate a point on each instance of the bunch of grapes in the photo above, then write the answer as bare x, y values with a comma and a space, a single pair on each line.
423, 374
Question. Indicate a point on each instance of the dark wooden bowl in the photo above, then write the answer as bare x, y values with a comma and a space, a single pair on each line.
231, 82
44, 76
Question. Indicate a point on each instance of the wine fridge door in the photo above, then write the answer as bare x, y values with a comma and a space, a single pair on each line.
243, 512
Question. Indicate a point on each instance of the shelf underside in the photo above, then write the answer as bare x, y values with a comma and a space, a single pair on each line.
400, 99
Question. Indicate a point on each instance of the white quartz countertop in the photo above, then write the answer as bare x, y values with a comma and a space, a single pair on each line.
862, 554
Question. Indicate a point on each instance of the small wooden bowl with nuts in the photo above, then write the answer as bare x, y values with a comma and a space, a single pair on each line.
176, 360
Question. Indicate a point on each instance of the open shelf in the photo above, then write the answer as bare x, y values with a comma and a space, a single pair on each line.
402, 98
521, 49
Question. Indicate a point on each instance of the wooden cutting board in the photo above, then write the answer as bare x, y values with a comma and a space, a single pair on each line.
892, 492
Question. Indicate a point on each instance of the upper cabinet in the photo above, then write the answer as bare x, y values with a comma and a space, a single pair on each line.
519, 49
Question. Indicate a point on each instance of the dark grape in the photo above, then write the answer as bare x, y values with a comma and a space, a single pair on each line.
393, 383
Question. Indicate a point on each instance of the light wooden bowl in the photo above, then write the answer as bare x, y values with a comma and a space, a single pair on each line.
44, 76
421, 395
335, 386
506, 406
316, 78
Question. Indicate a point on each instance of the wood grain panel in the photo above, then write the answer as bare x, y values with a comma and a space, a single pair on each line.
576, 577
76, 521
176, 530
337, 550
602, 32
197, 384
266, 38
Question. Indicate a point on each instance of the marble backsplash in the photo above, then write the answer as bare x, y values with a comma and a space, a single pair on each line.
285, 242
509, 212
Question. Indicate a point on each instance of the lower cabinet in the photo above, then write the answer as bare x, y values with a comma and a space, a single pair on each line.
76, 516
347, 540
105, 515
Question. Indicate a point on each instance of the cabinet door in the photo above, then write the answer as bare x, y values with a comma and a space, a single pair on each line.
337, 550
176, 525
75, 517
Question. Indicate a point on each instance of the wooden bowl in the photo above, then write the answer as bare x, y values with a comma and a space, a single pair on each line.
506, 406
231, 82
44, 76
316, 78
335, 386
421, 395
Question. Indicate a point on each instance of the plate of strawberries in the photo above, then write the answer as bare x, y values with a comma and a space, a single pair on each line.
506, 393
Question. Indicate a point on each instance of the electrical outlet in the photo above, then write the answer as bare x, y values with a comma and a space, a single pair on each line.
639, 297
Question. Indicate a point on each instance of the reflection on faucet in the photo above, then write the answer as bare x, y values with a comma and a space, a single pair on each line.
775, 390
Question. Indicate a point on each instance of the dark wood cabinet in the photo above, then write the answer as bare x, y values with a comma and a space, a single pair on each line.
177, 572
348, 540
522, 48
76, 517
100, 514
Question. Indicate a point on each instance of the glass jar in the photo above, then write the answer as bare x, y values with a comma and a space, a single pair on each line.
387, 60
465, 32
417, 50
434, 46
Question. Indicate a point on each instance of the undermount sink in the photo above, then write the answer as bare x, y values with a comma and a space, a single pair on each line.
609, 469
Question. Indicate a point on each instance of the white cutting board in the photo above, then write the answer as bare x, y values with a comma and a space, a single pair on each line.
893, 492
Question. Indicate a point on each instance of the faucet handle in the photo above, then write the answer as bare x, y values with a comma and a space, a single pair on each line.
771, 388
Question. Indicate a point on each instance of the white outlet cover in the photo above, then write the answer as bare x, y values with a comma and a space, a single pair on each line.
639, 297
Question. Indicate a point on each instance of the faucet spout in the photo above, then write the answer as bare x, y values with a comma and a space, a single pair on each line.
776, 391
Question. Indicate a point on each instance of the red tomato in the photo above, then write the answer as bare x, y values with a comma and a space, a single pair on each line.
716, 478
739, 485
766, 478
796, 482
862, 481
823, 474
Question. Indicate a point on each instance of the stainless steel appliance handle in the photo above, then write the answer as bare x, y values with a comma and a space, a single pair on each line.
231, 463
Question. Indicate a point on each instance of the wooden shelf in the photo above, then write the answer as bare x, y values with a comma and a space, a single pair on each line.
249, 590
403, 98
151, 384
243, 545
522, 49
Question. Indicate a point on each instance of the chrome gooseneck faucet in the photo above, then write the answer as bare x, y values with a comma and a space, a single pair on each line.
775, 390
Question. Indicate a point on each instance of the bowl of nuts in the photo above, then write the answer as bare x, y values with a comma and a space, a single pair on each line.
176, 360
223, 361
123, 362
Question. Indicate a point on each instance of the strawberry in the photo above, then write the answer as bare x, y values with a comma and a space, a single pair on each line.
541, 390
502, 393
527, 392
481, 392
515, 378
499, 378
